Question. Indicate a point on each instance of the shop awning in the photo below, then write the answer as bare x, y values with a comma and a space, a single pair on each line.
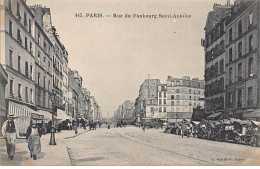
252, 114
214, 115
62, 115
47, 115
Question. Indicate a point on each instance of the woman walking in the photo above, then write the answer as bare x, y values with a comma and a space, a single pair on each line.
33, 138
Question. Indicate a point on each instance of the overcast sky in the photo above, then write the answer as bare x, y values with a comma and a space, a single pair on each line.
115, 55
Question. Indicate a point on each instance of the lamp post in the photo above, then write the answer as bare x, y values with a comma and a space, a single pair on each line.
176, 117
52, 139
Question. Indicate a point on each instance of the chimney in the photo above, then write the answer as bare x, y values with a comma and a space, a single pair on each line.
228, 2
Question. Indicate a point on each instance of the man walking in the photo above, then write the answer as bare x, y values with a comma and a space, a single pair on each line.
10, 131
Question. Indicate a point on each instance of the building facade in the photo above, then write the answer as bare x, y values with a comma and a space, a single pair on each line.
3, 83
181, 96
17, 55
215, 60
242, 56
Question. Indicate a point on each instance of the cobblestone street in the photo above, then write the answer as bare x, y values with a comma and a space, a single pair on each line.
132, 146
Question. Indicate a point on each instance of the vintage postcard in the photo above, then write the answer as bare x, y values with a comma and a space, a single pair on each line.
130, 82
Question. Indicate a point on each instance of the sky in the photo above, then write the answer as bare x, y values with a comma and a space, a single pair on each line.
115, 55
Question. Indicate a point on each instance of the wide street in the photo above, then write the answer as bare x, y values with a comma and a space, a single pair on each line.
131, 146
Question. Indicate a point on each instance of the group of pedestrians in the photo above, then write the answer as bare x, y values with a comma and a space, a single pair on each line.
10, 132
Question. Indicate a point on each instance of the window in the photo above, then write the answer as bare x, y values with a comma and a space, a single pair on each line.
25, 43
10, 4
178, 103
164, 101
44, 60
190, 91
39, 58
151, 109
172, 97
39, 78
240, 28
39, 38
230, 75
190, 97
250, 67
26, 94
230, 35
19, 63
31, 48
177, 97
10, 27
30, 26
19, 40
250, 17
25, 20
160, 101
230, 55
172, 103
44, 82
11, 57
239, 71
18, 10
26, 69
177, 90
160, 94
44, 46
230, 99
190, 104
178, 83
251, 43
164, 109
31, 96
240, 49
49, 66
199, 92
164, 94
31, 71
221, 66
19, 90
49, 83
11, 87
160, 109
173, 83
239, 98
250, 96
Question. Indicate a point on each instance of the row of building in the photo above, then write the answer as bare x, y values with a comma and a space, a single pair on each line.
34, 72
232, 53
173, 100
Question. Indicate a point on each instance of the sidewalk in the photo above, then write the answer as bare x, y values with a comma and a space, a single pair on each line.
50, 155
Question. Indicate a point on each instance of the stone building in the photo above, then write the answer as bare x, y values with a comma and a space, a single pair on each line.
181, 96
3, 83
59, 56
75, 93
214, 46
147, 97
242, 60
43, 69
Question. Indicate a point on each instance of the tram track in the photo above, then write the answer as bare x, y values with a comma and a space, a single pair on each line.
169, 151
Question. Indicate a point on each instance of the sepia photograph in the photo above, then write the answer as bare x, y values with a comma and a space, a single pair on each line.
129, 83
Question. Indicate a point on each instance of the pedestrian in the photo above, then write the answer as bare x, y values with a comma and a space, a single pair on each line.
10, 131
144, 127
76, 127
33, 138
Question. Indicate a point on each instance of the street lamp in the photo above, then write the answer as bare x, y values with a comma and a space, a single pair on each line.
52, 139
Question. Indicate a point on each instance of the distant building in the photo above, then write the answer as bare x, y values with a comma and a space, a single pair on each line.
147, 97
180, 96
